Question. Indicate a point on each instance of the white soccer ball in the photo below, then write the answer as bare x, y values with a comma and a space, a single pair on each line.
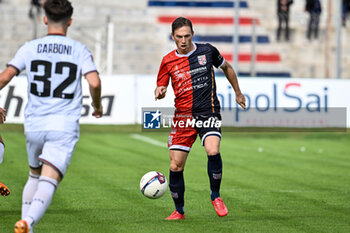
153, 184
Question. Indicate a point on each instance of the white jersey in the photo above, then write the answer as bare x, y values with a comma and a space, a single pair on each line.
54, 66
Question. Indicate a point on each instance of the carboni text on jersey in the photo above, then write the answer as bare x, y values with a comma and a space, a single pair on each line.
54, 48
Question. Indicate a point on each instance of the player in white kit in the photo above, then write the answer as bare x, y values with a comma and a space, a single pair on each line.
54, 66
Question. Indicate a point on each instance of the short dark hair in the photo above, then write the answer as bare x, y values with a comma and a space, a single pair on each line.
58, 10
180, 22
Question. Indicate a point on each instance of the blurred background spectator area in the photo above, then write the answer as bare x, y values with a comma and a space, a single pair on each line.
131, 37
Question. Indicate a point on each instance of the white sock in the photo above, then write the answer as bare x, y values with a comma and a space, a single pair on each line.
28, 192
41, 200
2, 150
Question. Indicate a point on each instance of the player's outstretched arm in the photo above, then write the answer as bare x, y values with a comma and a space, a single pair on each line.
95, 92
6, 76
232, 78
160, 92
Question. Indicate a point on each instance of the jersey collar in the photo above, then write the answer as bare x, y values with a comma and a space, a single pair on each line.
187, 54
56, 34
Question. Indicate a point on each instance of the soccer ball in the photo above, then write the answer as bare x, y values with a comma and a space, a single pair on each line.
153, 184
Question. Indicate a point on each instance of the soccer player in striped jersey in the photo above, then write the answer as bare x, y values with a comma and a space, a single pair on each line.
4, 191
54, 65
190, 68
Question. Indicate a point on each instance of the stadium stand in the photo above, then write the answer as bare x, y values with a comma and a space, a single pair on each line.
206, 21
142, 34
307, 59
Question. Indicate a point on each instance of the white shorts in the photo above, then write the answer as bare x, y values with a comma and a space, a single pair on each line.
54, 148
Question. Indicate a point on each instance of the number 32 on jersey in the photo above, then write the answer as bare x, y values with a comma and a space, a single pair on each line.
45, 78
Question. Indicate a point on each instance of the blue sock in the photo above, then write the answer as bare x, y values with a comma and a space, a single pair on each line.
215, 174
177, 189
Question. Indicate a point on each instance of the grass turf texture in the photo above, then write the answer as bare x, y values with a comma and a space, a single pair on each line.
272, 182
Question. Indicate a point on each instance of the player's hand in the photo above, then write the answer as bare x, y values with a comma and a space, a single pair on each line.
240, 99
160, 92
2, 115
98, 112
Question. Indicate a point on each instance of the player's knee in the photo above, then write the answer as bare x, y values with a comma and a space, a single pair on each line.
176, 166
213, 151
212, 144
36, 171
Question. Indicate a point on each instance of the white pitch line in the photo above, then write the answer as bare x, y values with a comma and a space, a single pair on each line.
148, 140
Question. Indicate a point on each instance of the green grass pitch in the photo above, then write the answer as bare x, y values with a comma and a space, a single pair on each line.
272, 182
